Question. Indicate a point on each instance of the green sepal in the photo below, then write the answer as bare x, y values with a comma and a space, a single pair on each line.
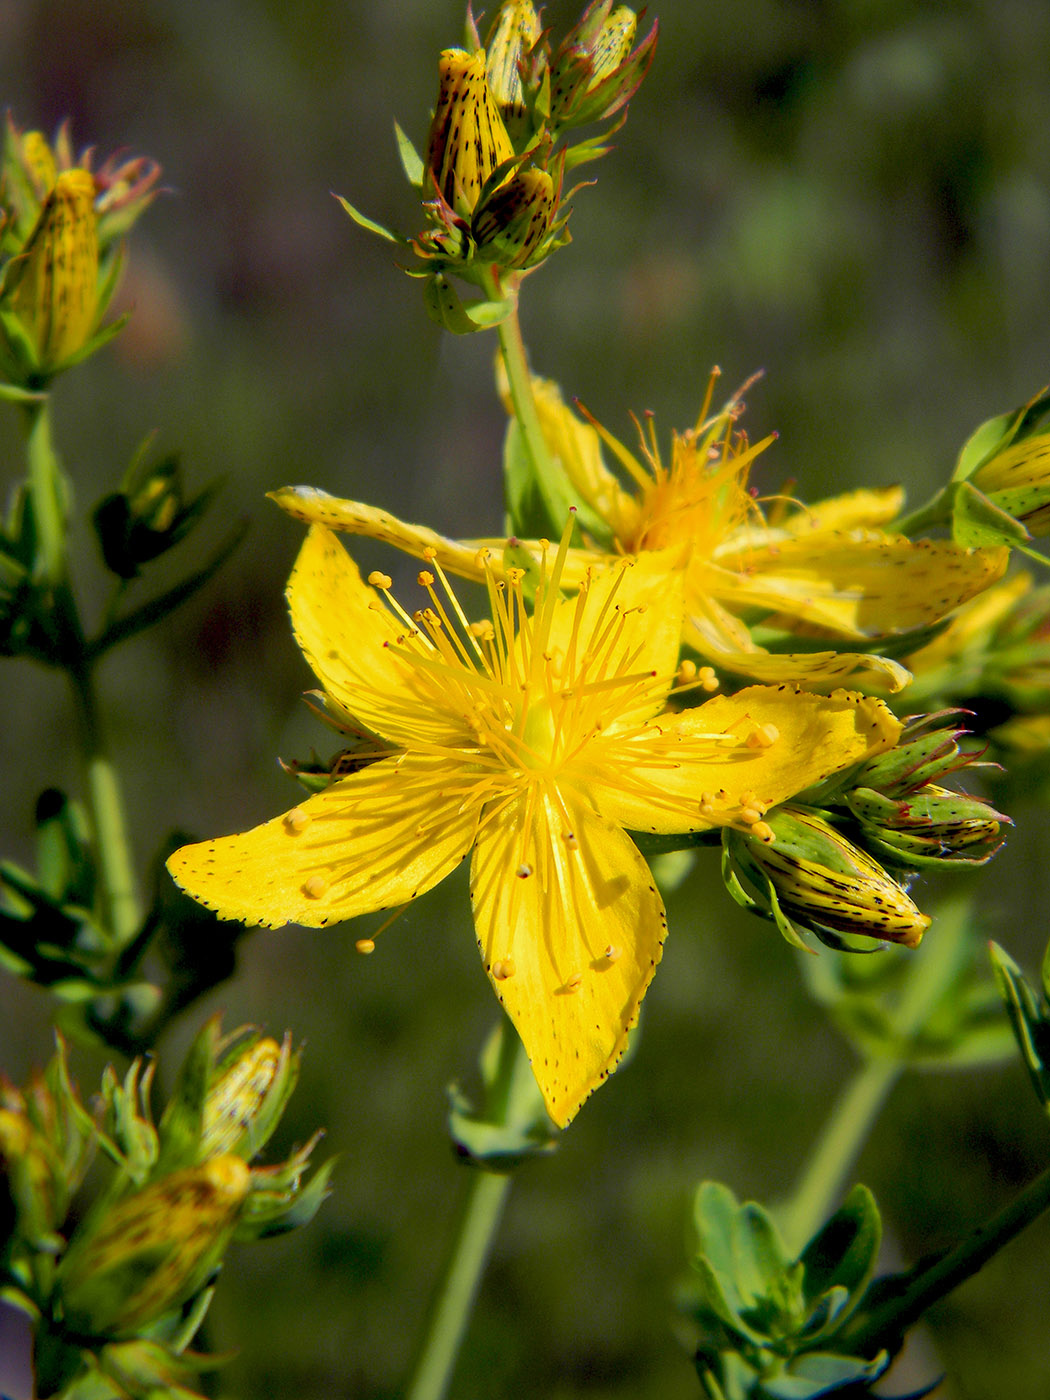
1029, 1020
411, 161
510, 1124
444, 306
372, 226
978, 522
128, 1134
65, 866
996, 433
13, 393
277, 1202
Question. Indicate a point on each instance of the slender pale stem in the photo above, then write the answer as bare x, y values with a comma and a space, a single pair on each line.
478, 1224
925, 1288
858, 1107
516, 364
45, 491
844, 1135
120, 892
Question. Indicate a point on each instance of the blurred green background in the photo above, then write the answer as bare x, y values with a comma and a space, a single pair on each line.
853, 197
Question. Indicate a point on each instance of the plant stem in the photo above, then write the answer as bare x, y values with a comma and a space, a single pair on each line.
925, 1288
516, 364
481, 1216
844, 1135
45, 492
107, 811
930, 978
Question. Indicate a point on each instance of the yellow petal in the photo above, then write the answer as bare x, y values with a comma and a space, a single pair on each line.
662, 778
373, 840
858, 584
349, 637
817, 670
564, 902
354, 518
848, 512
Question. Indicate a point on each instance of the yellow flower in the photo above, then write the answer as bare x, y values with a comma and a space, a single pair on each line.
537, 740
829, 570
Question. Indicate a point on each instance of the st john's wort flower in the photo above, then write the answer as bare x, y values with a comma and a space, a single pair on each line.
537, 740
829, 570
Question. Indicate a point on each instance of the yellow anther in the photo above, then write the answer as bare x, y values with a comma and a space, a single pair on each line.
523, 871
749, 799
481, 558
484, 630
708, 680
515, 576
297, 820
365, 945
430, 553
686, 672
572, 984
315, 886
708, 804
425, 578
763, 736
612, 953
380, 580
572, 841
503, 969
750, 815
762, 831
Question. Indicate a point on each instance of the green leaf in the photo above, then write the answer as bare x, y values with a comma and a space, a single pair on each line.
820, 1373
844, 1252
1030, 1025
510, 1124
443, 305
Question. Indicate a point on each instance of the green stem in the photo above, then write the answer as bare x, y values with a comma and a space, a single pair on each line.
481, 1216
46, 493
119, 888
930, 979
886, 1323
844, 1135
516, 364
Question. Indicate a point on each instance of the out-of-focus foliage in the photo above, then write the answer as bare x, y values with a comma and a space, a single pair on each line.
851, 198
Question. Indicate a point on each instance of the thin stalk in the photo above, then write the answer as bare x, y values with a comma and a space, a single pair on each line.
859, 1105
845, 1133
887, 1322
516, 364
45, 491
478, 1224
120, 892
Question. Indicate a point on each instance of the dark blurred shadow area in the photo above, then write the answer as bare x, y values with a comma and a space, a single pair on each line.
851, 197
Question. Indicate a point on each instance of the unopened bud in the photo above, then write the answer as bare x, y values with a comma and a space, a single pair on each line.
52, 286
821, 880
515, 31
234, 1099
511, 224
468, 139
151, 1251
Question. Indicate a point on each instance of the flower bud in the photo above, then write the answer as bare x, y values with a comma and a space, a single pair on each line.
236, 1097
151, 1251
148, 516
594, 73
510, 225
468, 139
515, 31
51, 288
812, 876
1017, 480
933, 824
